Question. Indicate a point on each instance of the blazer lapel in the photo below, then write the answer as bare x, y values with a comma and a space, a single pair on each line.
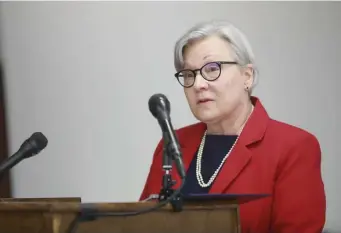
241, 155
234, 165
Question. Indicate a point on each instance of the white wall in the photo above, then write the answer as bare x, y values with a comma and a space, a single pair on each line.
82, 74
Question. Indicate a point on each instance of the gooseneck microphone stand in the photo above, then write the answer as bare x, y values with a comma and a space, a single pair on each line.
167, 180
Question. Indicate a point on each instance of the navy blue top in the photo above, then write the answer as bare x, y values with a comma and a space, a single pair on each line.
215, 149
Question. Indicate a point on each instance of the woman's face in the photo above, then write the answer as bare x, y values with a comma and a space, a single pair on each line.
213, 101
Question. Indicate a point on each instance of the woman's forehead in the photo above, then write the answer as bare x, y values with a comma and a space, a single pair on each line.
207, 50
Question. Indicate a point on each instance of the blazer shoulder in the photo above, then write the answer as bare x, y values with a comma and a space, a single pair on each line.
291, 134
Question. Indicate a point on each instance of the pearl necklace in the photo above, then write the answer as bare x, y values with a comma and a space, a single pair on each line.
199, 158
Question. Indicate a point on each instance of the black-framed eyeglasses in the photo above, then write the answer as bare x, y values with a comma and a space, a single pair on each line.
210, 72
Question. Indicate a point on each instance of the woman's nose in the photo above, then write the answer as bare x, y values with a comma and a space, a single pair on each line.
200, 83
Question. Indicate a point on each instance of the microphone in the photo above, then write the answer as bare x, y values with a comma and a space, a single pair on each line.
159, 106
29, 148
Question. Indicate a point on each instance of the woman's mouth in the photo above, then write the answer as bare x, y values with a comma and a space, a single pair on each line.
203, 101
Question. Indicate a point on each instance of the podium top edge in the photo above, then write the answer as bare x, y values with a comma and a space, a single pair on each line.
99, 207
197, 201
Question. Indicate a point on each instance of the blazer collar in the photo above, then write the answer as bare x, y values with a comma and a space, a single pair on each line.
255, 127
253, 132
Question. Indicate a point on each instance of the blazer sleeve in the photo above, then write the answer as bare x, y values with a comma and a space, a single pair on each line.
154, 173
299, 195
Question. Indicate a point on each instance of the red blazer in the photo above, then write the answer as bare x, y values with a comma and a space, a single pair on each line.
270, 157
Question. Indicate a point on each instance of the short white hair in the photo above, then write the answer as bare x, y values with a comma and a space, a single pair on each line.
235, 37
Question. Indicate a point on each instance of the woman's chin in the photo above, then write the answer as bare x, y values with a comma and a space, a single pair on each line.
206, 116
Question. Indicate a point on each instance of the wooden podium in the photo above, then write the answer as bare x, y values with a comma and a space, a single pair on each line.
55, 215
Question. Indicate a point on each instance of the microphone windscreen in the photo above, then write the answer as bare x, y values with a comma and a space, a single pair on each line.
38, 141
158, 103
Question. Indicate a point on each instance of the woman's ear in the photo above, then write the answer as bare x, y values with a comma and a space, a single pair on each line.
248, 74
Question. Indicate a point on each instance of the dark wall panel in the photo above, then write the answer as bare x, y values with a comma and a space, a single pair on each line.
5, 185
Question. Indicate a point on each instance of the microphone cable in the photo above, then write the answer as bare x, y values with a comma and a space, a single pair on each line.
92, 216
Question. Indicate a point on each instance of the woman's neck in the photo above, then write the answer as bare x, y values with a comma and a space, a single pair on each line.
234, 124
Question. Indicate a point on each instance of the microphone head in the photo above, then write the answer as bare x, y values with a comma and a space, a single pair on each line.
159, 104
35, 143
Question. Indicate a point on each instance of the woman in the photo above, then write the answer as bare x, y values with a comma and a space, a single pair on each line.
237, 147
